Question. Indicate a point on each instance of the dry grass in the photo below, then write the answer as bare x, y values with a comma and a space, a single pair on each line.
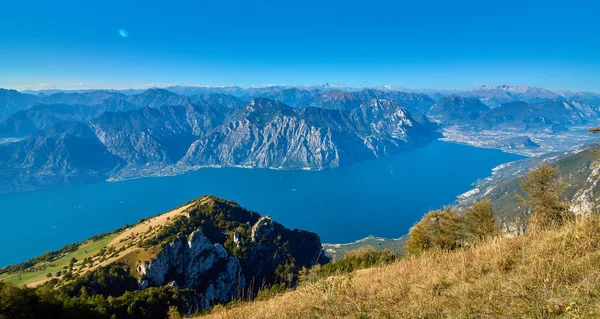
148, 225
127, 240
541, 275
125, 243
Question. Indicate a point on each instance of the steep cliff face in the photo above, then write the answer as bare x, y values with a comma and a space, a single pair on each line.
586, 200
267, 133
285, 142
195, 263
265, 255
231, 252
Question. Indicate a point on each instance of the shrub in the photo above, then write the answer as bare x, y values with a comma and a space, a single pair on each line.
437, 230
360, 258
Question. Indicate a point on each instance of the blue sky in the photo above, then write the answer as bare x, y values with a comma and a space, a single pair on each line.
414, 44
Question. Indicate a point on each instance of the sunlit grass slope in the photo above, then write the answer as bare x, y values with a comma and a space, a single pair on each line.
546, 274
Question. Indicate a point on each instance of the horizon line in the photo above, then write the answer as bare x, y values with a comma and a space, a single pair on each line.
387, 87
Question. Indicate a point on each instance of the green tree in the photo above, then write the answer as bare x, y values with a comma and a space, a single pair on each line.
437, 230
479, 220
542, 188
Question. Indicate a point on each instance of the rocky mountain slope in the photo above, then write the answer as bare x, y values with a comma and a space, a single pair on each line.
454, 109
156, 135
65, 153
206, 252
550, 114
578, 169
267, 133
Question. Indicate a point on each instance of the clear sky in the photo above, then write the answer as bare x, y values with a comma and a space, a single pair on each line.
414, 44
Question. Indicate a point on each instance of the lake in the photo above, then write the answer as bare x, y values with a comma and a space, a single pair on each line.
382, 197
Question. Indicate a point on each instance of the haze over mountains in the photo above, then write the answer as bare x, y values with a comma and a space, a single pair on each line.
77, 137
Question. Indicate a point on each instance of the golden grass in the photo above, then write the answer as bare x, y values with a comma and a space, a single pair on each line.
129, 238
146, 226
546, 274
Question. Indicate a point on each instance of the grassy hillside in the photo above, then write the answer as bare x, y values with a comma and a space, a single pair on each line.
85, 250
119, 246
549, 274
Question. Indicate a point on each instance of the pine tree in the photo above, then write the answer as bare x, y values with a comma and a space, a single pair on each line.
543, 187
479, 220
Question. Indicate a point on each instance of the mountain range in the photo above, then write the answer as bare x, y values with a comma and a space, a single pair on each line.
66, 144
76, 137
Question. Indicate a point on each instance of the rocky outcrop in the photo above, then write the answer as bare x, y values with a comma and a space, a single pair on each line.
239, 253
587, 200
263, 228
303, 249
195, 263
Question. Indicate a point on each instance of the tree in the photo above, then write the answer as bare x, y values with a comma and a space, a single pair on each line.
437, 230
173, 313
479, 220
543, 187
595, 130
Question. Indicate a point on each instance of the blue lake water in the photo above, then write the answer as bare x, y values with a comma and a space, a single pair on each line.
383, 197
